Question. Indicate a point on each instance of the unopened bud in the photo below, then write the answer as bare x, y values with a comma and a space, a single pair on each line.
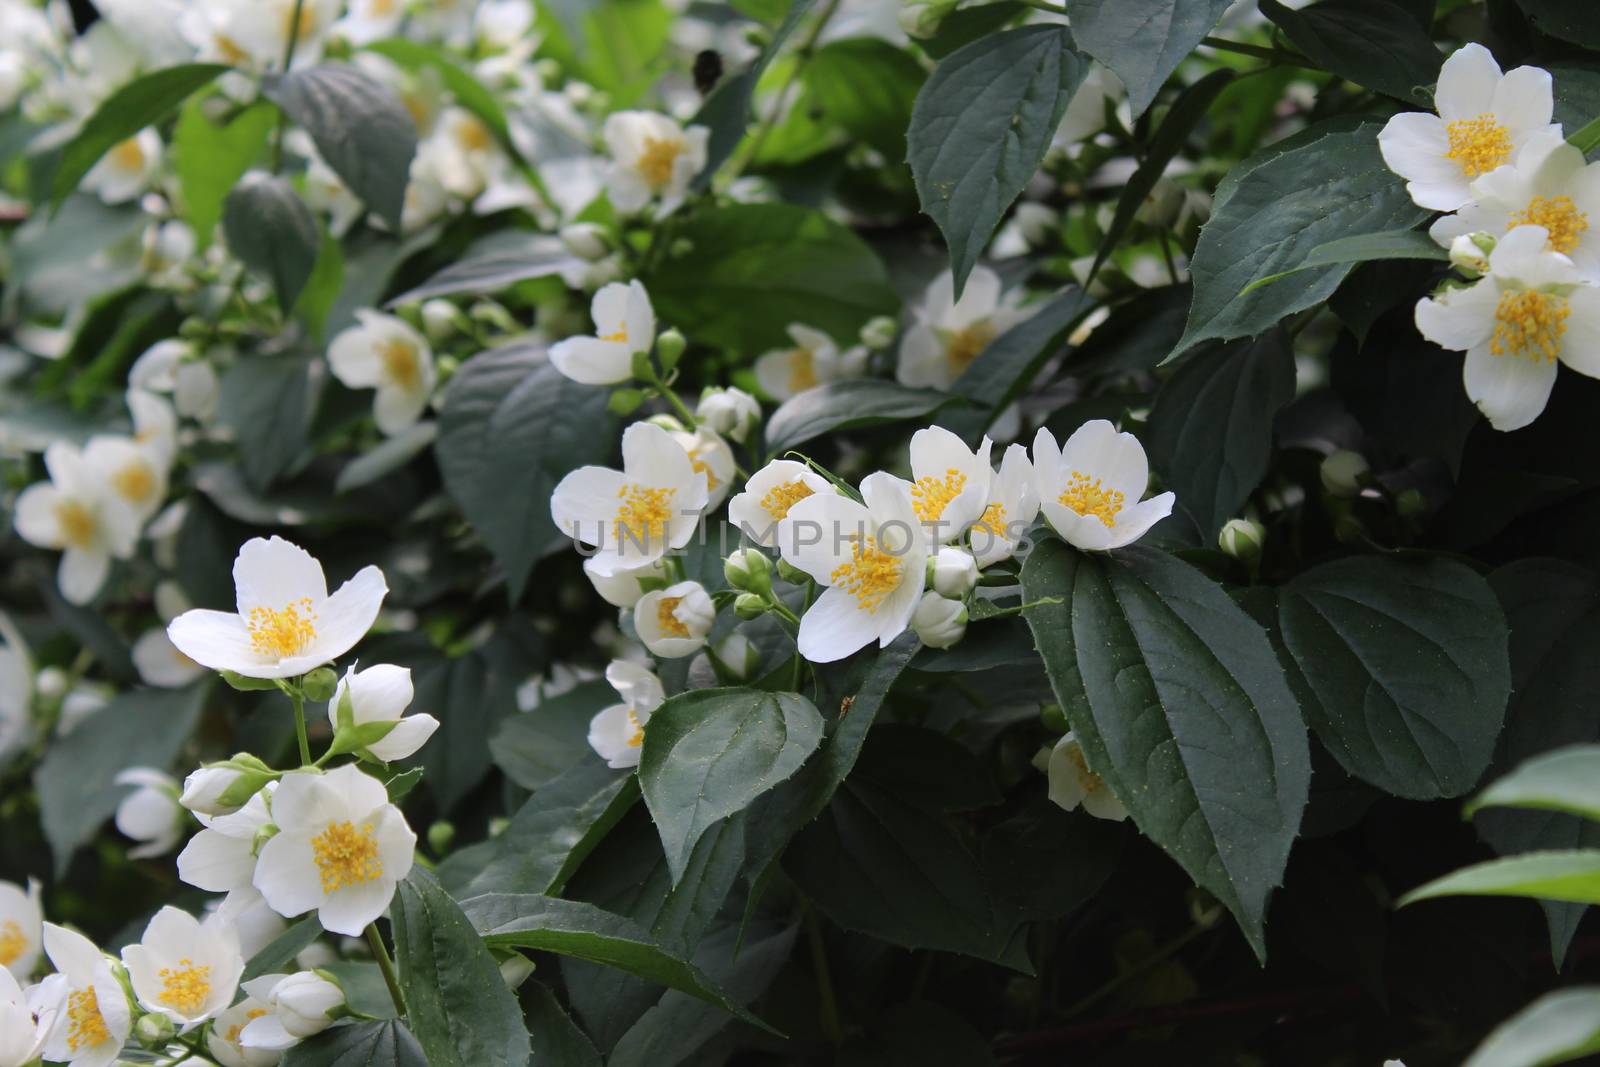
750, 571
922, 18
879, 332
792, 574
938, 622
320, 684
441, 835
586, 240
494, 315
1469, 253
1054, 719
442, 320
1410, 503
669, 348
1242, 539
1343, 472
223, 788
952, 572
154, 1031
749, 606
516, 969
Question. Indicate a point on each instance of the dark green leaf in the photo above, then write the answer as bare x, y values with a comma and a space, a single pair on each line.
1375, 43
1363, 248
534, 747
387, 456
491, 273
209, 159
915, 1034
557, 1041
1570, 20
1142, 41
281, 951
272, 231
867, 87
967, 23
726, 112
848, 405
374, 1043
1557, 1028
267, 401
1007, 366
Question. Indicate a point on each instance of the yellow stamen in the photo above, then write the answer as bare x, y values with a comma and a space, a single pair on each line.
870, 575
283, 633
86, 1027
993, 520
1559, 215
13, 943
657, 160
643, 516
802, 370
618, 338
930, 496
667, 619
128, 156
962, 346
400, 363
185, 989
472, 135
635, 730
346, 856
1478, 145
1091, 782
781, 498
78, 524
1087, 496
382, 8
134, 482
230, 51
1530, 325
237, 1028
700, 466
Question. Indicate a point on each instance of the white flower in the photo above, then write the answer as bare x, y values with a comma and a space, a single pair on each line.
287, 623
127, 170
623, 588
382, 693
624, 323
1073, 783
1090, 488
16, 690
26, 1023
173, 366
768, 496
938, 621
872, 557
950, 486
21, 926
135, 477
297, 1008
252, 919
74, 513
948, 334
371, 20
651, 156
814, 360
1466, 254
952, 572
155, 430
1485, 119
1013, 505
382, 352
183, 968
223, 1040
341, 848
95, 1020
733, 413
1531, 311
221, 858
1086, 112
710, 455
1548, 185
673, 622
161, 664
636, 515
255, 33
150, 814
617, 732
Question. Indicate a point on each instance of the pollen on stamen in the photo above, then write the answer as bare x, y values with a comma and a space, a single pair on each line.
346, 855
930, 496
185, 988
1558, 215
657, 160
993, 519
13, 943
963, 346
667, 617
1088, 497
1529, 324
86, 1027
635, 730
78, 524
281, 633
802, 370
1478, 145
781, 498
870, 575
134, 481
643, 516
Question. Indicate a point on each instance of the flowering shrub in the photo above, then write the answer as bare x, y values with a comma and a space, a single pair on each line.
794, 532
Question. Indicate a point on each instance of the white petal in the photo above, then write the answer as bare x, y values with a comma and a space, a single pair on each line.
272, 572
353, 358
1524, 100
219, 640
1580, 345
1413, 145
592, 361
395, 409
1467, 83
381, 693
1509, 390
922, 364
82, 573
408, 735
1133, 523
819, 532
287, 875
1458, 319
584, 505
216, 862
346, 616
835, 627
35, 516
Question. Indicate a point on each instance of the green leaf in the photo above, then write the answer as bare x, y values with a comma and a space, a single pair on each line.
1211, 426
967, 23
139, 728
1151, 660
272, 231
467, 90
709, 753
142, 102
493, 272
1567, 779
1273, 211
1406, 668
362, 130
535, 747
281, 951
469, 694
746, 271
585, 932
981, 126
616, 46
1142, 41
557, 1041
1375, 43
1557, 1028
1363, 248
321, 294
510, 427
868, 87
1570, 20
1571, 875
1008, 365
371, 1043
209, 159
387, 456
726, 112
456, 1002
268, 401
848, 405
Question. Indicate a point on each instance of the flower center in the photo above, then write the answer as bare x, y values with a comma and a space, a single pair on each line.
283, 633
802, 370
249, 1017
346, 856
700, 466
781, 498
963, 345
86, 1027
930, 496
230, 51
870, 575
667, 619
1478, 145
643, 516
657, 159
1087, 496
134, 482
993, 520
128, 155
1559, 215
78, 524
472, 135
13, 943
185, 988
400, 364
635, 730
1529, 324
618, 338
1087, 779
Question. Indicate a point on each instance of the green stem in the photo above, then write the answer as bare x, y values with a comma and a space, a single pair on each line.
828, 1004
799, 660
380, 952
294, 35
298, 699
1274, 55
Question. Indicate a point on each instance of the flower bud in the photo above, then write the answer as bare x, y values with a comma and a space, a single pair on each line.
733, 413
879, 332
494, 315
154, 1031
1342, 473
921, 19
739, 656
939, 623
792, 574
952, 572
305, 1002
1054, 719
749, 570
320, 684
1469, 253
51, 683
442, 320
1410, 503
667, 422
669, 348
586, 240
1242, 539
516, 969
749, 606
223, 788
441, 835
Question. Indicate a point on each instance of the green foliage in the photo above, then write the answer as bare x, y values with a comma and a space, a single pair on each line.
210, 159
373, 1043
272, 231
1374, 43
848, 405
1142, 41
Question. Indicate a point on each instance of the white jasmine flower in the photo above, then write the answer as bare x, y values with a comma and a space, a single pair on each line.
255, 33
74, 513
1485, 120
1090, 488
814, 360
768, 496
624, 323
287, 623
382, 693
297, 1008
938, 621
1548, 185
711, 456
225, 787
371, 20
223, 1040
673, 622
636, 515
135, 477
1012, 507
382, 352
183, 968
341, 848
1530, 312
872, 558
651, 157
733, 413
461, 154
26, 1023
623, 588
1072, 783
252, 919
617, 732
160, 664
222, 857
127, 170
950, 487
948, 334
151, 813
952, 572
174, 367
96, 1020
21, 928
155, 430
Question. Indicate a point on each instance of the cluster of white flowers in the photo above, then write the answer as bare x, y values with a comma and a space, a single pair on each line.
1520, 199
